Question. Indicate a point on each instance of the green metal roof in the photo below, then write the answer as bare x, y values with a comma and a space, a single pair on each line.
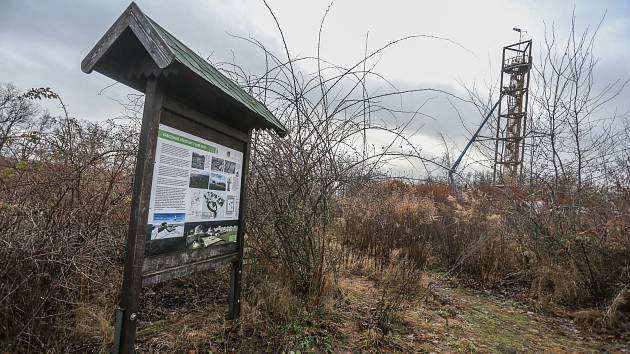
165, 49
203, 68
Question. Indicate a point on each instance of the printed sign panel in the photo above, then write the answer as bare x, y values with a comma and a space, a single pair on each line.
195, 194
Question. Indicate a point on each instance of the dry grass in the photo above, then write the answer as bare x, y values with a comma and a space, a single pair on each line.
341, 275
563, 255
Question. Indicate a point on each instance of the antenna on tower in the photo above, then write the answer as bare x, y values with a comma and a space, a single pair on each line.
520, 33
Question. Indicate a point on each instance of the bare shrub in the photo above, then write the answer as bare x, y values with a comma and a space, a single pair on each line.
65, 198
619, 310
399, 284
576, 256
294, 180
379, 219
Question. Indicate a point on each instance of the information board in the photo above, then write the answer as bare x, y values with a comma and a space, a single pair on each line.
195, 193
189, 201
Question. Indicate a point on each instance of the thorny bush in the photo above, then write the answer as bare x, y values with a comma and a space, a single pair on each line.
64, 201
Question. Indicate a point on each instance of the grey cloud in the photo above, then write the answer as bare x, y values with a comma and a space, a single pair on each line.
43, 43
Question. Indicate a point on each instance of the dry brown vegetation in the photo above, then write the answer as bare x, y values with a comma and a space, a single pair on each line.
65, 212
498, 238
64, 208
338, 257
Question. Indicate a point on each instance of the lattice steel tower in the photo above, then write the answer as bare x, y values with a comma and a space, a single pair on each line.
511, 122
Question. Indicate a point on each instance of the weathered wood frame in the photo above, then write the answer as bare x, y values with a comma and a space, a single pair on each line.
139, 53
157, 106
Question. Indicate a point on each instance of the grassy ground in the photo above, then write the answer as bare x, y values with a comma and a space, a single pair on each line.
448, 318
455, 319
464, 320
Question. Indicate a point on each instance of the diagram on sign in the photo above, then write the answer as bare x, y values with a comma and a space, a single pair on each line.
195, 193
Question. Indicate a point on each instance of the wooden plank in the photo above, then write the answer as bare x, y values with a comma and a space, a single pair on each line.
150, 38
234, 309
188, 269
112, 34
203, 119
202, 130
134, 255
173, 260
132, 18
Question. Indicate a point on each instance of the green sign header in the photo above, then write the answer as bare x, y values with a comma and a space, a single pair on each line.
186, 141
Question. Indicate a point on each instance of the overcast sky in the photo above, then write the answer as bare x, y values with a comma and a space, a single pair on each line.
42, 42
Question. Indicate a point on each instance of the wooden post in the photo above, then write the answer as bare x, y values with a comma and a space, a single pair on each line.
134, 254
237, 265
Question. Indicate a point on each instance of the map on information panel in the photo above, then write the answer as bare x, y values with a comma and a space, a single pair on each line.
195, 193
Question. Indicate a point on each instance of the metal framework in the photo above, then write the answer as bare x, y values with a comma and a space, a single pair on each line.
512, 114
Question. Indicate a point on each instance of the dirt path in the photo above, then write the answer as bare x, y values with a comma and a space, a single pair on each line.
457, 319
447, 319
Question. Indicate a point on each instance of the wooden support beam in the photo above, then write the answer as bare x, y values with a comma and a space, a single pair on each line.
134, 255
